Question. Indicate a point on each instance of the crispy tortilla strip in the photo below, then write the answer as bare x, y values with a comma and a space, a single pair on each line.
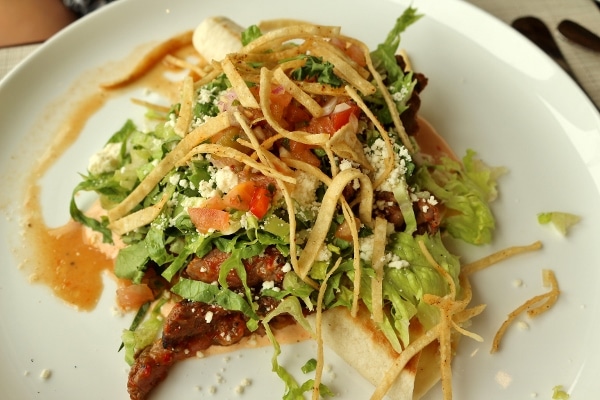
303, 137
151, 59
401, 363
321, 89
319, 232
386, 95
208, 129
301, 96
531, 306
389, 161
285, 34
494, 258
278, 23
229, 152
244, 94
345, 144
342, 67
151, 106
377, 262
184, 119
183, 64
139, 218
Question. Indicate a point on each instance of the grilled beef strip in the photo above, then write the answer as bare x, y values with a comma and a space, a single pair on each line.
193, 326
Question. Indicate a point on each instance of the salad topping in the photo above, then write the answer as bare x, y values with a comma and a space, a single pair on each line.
287, 182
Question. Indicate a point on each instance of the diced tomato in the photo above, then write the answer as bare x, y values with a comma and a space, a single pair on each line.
353, 51
343, 231
215, 202
321, 125
133, 296
240, 196
207, 219
297, 115
331, 123
261, 200
356, 54
280, 99
301, 152
337, 42
341, 118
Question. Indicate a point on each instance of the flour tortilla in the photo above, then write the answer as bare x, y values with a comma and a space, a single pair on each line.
364, 347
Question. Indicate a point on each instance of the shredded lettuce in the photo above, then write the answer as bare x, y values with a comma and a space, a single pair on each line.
316, 68
400, 84
212, 294
293, 390
251, 33
562, 221
404, 287
466, 190
137, 338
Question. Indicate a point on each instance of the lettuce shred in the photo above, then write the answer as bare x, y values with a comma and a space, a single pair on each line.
466, 190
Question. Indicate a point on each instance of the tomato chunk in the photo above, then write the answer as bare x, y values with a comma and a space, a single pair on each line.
280, 99
301, 152
134, 296
209, 219
341, 118
261, 200
240, 196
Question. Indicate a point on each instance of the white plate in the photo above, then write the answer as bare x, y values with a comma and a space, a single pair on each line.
489, 90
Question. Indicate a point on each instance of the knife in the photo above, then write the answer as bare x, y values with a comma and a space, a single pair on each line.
536, 30
579, 34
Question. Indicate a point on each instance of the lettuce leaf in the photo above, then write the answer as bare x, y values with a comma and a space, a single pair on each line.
562, 221
404, 287
137, 338
401, 85
466, 190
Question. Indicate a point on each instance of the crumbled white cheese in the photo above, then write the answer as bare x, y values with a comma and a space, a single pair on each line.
174, 179
377, 154
45, 374
208, 317
106, 160
286, 268
324, 254
398, 264
522, 325
366, 247
305, 188
226, 179
345, 164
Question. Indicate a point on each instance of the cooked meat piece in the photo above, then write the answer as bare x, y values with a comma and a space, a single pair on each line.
261, 268
150, 368
191, 327
428, 216
387, 207
409, 116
